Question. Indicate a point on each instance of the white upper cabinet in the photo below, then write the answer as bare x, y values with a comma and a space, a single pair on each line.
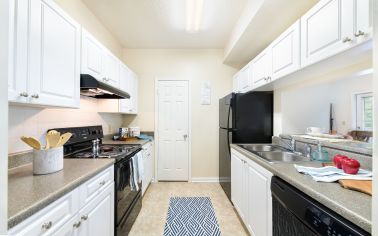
245, 80
326, 30
235, 83
46, 56
98, 61
262, 68
363, 19
286, 52
110, 69
91, 56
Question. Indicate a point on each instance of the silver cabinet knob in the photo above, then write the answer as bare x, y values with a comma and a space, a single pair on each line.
102, 183
359, 33
47, 225
84, 217
104, 79
347, 39
77, 224
36, 96
269, 78
24, 94
185, 136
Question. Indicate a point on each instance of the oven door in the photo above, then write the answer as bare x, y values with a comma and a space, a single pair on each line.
126, 191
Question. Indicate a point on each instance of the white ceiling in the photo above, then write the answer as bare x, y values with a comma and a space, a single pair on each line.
161, 23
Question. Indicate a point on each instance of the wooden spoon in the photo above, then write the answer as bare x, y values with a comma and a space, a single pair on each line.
32, 142
64, 139
52, 139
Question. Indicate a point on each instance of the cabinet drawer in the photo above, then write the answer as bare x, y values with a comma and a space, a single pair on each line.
51, 218
92, 187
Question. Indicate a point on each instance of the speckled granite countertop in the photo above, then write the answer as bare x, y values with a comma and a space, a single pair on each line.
28, 193
352, 205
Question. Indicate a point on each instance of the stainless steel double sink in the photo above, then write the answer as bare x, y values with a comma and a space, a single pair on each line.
273, 153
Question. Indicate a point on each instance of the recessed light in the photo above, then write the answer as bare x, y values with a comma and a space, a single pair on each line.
194, 11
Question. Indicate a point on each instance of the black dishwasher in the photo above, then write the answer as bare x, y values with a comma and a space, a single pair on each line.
296, 214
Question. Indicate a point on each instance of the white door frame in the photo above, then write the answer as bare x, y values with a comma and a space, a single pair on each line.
156, 133
6, 27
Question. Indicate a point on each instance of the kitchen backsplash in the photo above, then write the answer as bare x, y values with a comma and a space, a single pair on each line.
31, 121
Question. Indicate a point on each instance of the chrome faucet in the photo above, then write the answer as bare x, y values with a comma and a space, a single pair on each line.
292, 146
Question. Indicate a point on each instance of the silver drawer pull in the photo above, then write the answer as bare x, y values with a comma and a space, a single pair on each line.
24, 94
35, 96
347, 39
102, 183
77, 224
359, 33
47, 225
84, 217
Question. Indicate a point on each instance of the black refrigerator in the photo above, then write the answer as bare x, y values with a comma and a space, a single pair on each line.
243, 118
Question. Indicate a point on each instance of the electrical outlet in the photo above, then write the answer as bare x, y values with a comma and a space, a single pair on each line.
110, 129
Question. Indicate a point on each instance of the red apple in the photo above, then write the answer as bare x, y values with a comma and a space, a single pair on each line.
350, 166
337, 160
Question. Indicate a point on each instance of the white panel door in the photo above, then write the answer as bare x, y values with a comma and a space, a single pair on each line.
111, 69
55, 56
262, 68
17, 84
326, 30
286, 52
173, 130
68, 229
91, 56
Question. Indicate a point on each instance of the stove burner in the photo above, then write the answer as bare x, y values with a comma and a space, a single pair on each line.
107, 148
84, 155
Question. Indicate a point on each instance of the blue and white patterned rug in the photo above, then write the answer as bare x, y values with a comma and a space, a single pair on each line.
192, 216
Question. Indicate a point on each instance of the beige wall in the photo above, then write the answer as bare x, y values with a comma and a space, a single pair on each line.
197, 66
79, 11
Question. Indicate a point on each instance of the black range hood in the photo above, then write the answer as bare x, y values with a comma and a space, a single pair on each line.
91, 87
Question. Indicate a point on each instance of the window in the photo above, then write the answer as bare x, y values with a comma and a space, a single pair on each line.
364, 111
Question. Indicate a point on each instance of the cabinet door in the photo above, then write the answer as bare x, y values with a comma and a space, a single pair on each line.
363, 19
326, 30
286, 52
69, 228
133, 93
54, 56
262, 68
259, 202
97, 217
91, 56
17, 84
237, 182
235, 83
244, 79
124, 73
111, 69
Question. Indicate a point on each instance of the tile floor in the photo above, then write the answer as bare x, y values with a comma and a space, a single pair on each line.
151, 219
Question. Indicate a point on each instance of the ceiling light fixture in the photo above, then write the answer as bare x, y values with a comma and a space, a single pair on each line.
194, 11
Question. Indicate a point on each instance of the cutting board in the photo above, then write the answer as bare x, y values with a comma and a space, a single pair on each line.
364, 186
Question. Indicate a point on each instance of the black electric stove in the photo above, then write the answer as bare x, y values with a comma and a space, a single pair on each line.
85, 143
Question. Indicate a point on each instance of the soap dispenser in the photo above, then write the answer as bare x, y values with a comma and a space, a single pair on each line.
319, 154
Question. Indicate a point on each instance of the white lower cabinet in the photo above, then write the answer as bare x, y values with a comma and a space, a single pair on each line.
148, 165
71, 216
251, 195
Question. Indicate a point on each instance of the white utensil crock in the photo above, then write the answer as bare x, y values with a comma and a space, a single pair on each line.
47, 161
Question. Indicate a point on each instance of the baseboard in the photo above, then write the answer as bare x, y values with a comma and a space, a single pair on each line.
205, 180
